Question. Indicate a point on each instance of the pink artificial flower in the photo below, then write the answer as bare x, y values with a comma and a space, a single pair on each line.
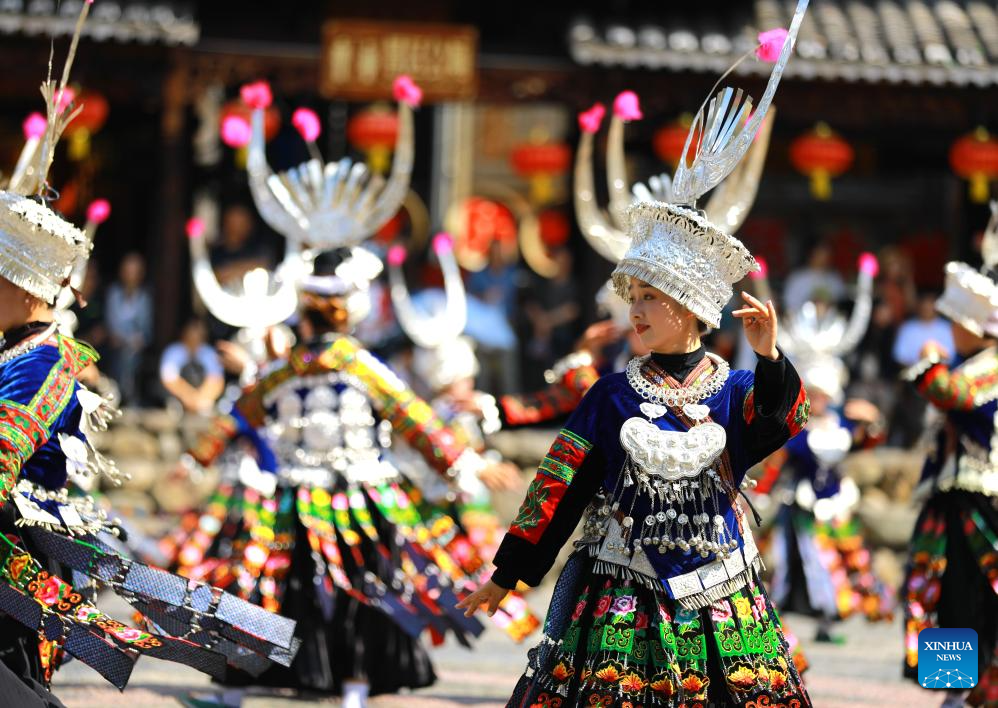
98, 211
34, 126
256, 95
406, 91
442, 243
64, 99
579, 609
771, 44
195, 227
236, 131
602, 606
760, 604
589, 121
306, 122
396, 256
720, 611
626, 106
763, 270
868, 264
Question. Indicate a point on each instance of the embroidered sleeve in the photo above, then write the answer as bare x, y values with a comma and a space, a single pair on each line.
948, 390
212, 442
410, 416
554, 401
566, 481
34, 392
774, 408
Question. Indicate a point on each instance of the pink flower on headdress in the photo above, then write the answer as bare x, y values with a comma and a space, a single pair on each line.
236, 131
98, 211
406, 91
34, 126
868, 264
307, 123
195, 227
396, 256
589, 121
763, 270
256, 95
771, 44
626, 106
442, 243
64, 98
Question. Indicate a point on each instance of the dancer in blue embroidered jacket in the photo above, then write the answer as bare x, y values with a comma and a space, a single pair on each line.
45, 533
952, 574
661, 604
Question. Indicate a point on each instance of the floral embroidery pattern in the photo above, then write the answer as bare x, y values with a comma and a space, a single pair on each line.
626, 646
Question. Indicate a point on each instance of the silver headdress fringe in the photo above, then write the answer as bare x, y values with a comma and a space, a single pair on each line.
685, 256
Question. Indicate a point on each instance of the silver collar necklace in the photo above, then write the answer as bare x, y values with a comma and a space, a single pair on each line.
676, 397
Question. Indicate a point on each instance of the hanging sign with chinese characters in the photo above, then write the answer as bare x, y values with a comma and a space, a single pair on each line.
361, 58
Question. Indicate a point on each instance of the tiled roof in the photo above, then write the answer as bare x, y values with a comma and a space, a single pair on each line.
936, 42
157, 21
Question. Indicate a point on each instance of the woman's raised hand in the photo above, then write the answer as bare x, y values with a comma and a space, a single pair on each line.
488, 596
760, 324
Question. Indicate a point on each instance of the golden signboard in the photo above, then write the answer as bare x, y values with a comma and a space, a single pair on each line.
361, 58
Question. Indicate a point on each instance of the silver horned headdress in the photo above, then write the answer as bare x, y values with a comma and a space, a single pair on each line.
333, 205
38, 248
675, 248
817, 340
265, 299
442, 355
971, 296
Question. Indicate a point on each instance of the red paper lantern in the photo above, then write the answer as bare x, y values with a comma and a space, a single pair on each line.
271, 116
540, 163
374, 131
974, 157
555, 228
820, 155
669, 141
93, 111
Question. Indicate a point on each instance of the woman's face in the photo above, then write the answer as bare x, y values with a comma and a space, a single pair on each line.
15, 305
661, 323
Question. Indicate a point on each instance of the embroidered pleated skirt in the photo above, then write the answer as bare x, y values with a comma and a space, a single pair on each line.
952, 580
824, 568
611, 642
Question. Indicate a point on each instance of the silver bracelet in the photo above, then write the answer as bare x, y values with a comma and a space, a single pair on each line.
575, 360
920, 367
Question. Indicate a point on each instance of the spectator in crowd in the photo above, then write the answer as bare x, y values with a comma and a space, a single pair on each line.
925, 326
907, 421
896, 284
491, 306
90, 310
817, 279
237, 251
191, 370
553, 312
128, 310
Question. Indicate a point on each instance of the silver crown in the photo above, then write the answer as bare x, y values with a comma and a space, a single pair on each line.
971, 297
675, 248
679, 252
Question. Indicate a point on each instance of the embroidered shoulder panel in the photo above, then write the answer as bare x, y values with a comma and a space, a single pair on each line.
554, 475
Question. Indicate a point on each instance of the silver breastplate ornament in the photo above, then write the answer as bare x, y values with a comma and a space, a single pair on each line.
325, 424
671, 493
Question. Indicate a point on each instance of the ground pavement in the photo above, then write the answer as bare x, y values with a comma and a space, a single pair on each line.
864, 671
